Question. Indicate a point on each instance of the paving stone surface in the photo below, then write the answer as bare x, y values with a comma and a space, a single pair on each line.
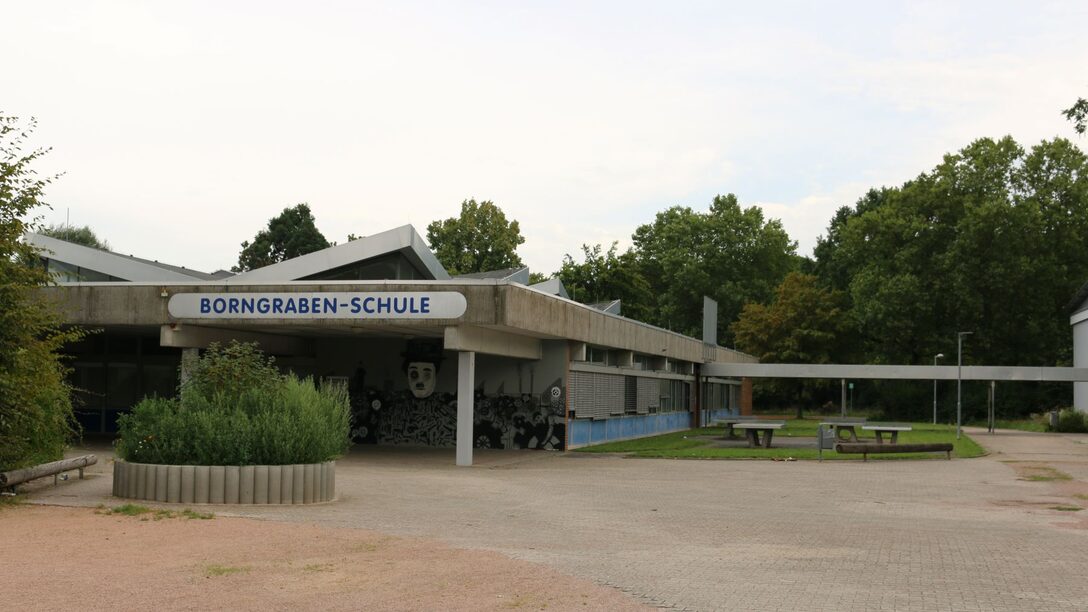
966, 534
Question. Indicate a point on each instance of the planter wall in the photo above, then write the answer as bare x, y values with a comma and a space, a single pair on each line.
217, 484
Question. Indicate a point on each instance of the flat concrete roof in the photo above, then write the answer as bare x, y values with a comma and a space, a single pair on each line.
499, 306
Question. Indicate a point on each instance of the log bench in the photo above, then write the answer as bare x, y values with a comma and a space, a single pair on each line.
9, 479
867, 449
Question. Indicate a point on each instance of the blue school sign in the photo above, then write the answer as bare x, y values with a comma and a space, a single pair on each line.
319, 305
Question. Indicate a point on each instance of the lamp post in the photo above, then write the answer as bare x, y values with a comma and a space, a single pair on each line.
935, 358
959, 380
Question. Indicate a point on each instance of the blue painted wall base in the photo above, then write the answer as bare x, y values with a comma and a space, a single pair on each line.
585, 432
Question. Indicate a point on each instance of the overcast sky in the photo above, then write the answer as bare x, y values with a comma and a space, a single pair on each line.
183, 127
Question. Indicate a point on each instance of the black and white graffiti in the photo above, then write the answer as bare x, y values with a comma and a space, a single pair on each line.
501, 421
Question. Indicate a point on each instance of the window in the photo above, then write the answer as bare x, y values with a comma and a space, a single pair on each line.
675, 395
596, 354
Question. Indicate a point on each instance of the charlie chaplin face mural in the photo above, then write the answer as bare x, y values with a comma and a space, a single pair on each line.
422, 359
421, 378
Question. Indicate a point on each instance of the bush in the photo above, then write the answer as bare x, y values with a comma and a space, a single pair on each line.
237, 409
35, 401
1072, 421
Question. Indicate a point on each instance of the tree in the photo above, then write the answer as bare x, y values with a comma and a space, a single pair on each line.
479, 240
79, 235
291, 234
729, 253
988, 241
606, 276
1078, 114
35, 401
806, 323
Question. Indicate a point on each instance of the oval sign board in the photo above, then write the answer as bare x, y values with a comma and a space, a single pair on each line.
319, 305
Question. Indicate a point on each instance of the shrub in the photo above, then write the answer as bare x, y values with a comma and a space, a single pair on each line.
35, 401
1072, 421
236, 409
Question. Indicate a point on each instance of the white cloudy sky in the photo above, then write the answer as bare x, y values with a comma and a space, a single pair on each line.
182, 127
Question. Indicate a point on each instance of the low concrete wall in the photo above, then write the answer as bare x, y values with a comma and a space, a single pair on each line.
231, 484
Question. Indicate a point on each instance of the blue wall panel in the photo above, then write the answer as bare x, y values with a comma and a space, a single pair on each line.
584, 432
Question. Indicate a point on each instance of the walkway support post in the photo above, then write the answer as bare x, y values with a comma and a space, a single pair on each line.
466, 381
959, 380
843, 406
935, 358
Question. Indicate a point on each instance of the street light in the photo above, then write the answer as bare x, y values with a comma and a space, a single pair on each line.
959, 380
935, 358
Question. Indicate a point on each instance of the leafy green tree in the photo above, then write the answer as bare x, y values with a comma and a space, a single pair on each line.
806, 323
989, 241
481, 239
290, 234
606, 276
729, 253
35, 401
83, 235
1078, 114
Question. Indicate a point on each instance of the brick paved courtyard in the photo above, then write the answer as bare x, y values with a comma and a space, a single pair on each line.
733, 535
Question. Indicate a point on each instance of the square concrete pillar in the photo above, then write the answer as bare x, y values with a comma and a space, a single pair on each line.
466, 381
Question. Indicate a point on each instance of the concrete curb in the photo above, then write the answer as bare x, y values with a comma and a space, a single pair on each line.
310, 483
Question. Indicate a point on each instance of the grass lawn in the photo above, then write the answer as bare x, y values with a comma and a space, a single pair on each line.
698, 444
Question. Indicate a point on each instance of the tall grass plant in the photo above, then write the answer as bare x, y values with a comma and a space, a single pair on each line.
226, 415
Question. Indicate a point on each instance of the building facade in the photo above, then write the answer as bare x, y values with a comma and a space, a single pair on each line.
482, 360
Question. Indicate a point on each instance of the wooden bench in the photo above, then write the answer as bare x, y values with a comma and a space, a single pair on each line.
729, 422
9, 479
883, 428
752, 429
867, 449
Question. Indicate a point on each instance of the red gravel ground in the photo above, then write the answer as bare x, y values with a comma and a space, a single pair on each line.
74, 558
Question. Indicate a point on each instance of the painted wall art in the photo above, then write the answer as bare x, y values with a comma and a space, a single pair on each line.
500, 421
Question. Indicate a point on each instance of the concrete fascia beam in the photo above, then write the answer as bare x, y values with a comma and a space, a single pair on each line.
195, 336
491, 342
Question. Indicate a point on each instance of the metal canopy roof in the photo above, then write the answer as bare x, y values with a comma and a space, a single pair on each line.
894, 372
126, 267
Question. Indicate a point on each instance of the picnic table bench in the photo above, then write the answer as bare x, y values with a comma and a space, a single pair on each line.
844, 424
754, 427
882, 428
729, 422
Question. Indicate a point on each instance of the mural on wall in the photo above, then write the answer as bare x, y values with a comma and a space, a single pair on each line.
500, 421
421, 363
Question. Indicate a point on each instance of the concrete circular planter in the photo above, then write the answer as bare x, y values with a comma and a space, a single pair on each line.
226, 484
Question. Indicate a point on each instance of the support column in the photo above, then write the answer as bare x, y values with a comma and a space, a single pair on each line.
466, 381
746, 396
188, 355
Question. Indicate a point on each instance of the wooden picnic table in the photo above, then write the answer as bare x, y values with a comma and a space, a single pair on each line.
883, 428
844, 424
754, 427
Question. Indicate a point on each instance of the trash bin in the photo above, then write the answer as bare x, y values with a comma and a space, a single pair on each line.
1053, 420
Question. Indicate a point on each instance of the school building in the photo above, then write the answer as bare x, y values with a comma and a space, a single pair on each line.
470, 361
